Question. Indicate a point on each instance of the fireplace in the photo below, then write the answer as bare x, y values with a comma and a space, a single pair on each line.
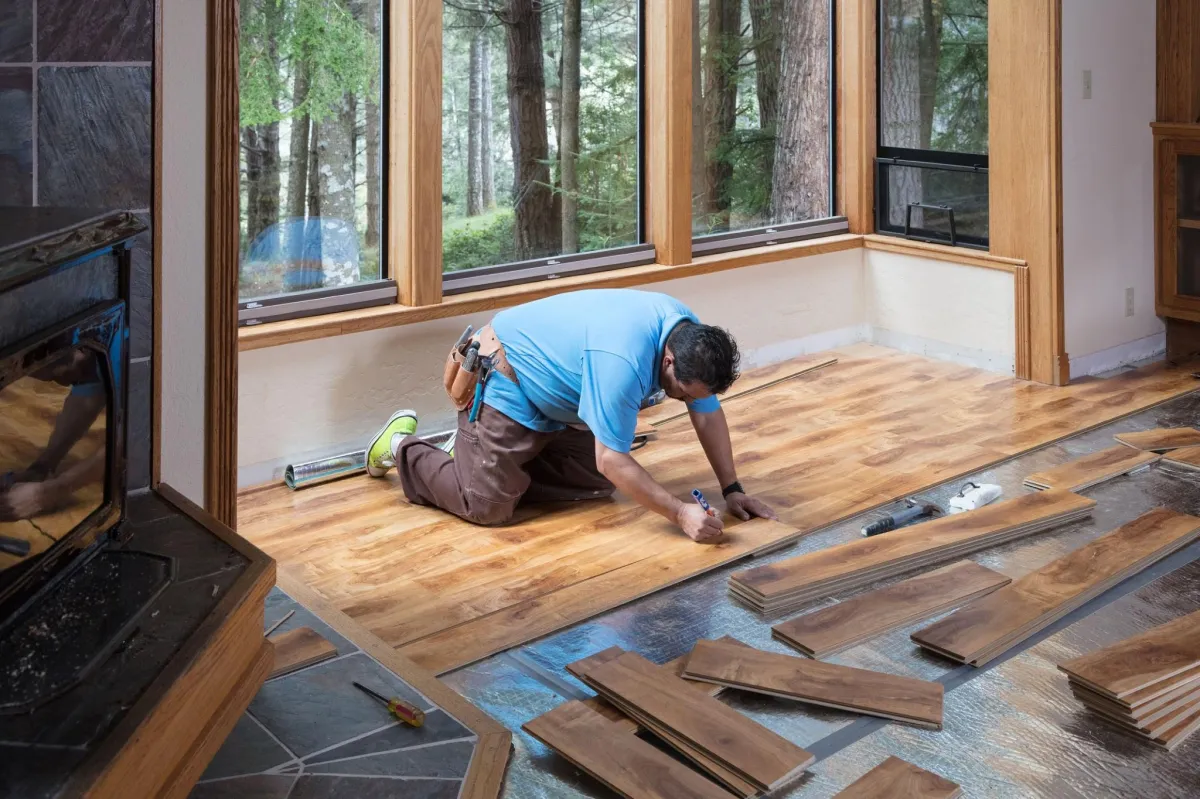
114, 608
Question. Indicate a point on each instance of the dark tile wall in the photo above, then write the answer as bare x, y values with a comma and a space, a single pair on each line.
75, 130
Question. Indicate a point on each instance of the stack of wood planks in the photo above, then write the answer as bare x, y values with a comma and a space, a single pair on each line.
742, 755
793, 583
1083, 473
837, 627
1148, 685
984, 630
1161, 439
898, 779
872, 693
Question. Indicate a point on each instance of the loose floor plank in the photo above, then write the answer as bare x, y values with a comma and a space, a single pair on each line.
1090, 470
898, 779
742, 745
795, 582
624, 763
813, 682
986, 629
837, 627
1161, 439
821, 447
298, 648
1188, 457
1134, 664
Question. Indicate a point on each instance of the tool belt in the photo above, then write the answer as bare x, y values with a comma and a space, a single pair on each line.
469, 365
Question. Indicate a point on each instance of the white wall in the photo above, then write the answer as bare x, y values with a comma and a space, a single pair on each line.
182, 231
965, 314
1108, 182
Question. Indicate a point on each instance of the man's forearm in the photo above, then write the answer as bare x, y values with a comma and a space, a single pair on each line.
631, 479
713, 432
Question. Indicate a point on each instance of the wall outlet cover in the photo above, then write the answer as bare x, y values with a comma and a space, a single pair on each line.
1129, 302
1087, 84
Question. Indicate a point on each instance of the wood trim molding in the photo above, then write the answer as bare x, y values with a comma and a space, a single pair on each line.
223, 236
485, 775
856, 123
669, 129
941, 252
1024, 119
1021, 317
414, 175
339, 324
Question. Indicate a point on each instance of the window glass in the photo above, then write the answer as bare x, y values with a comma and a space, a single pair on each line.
934, 75
761, 85
311, 96
539, 129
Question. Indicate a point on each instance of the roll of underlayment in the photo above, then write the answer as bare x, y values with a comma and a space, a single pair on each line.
303, 475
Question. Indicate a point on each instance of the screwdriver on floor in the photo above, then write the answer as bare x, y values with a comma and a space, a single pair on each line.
407, 712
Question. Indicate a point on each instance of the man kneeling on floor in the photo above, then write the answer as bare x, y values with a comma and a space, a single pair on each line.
548, 397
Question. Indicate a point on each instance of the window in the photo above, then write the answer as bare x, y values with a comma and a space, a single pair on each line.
932, 169
540, 140
312, 139
762, 134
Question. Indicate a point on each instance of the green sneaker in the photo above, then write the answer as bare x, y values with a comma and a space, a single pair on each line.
380, 457
447, 446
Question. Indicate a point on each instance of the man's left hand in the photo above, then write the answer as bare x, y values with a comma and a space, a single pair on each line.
746, 507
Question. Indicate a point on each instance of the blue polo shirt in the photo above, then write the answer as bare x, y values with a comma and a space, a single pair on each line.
590, 357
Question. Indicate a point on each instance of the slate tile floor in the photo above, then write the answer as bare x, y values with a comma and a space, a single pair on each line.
312, 735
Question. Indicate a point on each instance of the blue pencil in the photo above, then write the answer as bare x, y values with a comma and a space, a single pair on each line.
696, 495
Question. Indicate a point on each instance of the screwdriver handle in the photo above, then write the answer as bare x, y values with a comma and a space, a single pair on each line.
408, 713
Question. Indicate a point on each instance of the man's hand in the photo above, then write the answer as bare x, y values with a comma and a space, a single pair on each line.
746, 507
699, 526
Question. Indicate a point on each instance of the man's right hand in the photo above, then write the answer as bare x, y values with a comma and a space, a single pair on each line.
700, 527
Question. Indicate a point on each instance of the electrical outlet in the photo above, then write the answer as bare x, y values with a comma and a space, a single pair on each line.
1129, 302
1087, 84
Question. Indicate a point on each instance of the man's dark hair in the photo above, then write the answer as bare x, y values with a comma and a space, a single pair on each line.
704, 354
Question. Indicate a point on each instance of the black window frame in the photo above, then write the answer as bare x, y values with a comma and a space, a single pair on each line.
934, 160
551, 267
366, 293
784, 232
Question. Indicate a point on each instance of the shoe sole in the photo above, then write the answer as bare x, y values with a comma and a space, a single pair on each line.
386, 425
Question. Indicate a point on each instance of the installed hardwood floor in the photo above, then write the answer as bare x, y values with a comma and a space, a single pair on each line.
877, 425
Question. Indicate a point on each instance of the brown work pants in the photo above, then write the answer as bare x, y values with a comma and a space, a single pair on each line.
497, 464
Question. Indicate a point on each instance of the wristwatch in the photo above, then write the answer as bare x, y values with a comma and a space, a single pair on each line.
733, 488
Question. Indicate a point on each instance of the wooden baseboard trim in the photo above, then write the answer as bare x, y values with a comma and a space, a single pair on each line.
205, 748
485, 776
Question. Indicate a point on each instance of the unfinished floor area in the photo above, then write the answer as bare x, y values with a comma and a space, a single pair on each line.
825, 446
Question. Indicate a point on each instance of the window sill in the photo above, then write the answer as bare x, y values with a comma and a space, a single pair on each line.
273, 334
941, 252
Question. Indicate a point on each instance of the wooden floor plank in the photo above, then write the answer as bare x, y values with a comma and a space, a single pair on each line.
1184, 456
842, 567
820, 447
298, 648
829, 630
813, 682
1162, 439
626, 764
1093, 469
987, 628
751, 750
1133, 664
897, 779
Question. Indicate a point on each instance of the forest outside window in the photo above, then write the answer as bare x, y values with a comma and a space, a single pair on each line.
932, 170
762, 124
540, 140
312, 133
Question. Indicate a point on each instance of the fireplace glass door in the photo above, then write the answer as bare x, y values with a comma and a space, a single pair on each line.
53, 457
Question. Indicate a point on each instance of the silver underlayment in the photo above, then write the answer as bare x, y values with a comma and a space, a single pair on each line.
1012, 730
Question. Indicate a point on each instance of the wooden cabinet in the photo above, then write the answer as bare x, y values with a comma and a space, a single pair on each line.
1177, 220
